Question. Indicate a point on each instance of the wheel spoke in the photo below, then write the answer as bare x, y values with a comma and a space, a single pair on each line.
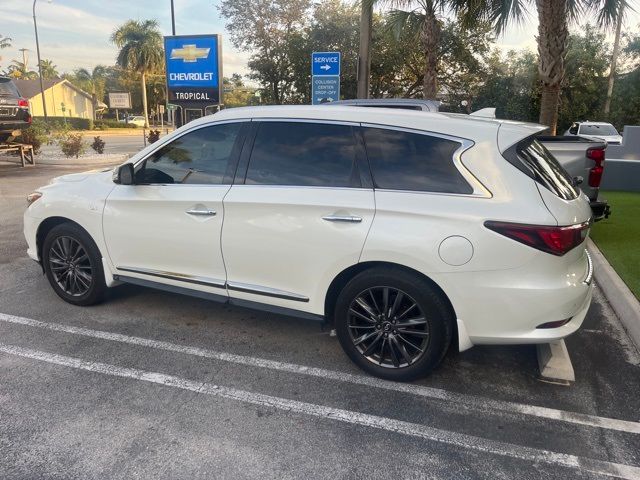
362, 327
366, 307
57, 249
403, 350
66, 248
372, 345
393, 345
407, 310
396, 303
415, 333
413, 322
410, 343
381, 357
364, 337
385, 299
361, 316
373, 300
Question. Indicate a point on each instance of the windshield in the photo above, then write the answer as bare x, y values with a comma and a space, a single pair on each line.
8, 88
598, 130
547, 170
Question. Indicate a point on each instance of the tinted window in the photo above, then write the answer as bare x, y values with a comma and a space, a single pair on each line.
198, 157
598, 130
303, 154
546, 169
8, 88
411, 161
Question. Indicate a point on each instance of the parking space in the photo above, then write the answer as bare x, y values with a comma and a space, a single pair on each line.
156, 385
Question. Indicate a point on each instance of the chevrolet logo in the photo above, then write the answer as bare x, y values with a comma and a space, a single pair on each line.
189, 53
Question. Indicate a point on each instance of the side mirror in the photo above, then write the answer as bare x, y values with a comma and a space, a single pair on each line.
123, 175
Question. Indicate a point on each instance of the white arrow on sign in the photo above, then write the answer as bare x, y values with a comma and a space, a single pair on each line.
325, 67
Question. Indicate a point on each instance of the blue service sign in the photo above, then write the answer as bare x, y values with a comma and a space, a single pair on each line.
325, 63
193, 68
325, 89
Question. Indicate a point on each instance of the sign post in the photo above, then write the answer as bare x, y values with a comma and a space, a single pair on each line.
325, 77
194, 72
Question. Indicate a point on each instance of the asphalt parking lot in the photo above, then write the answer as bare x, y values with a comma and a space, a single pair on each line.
155, 385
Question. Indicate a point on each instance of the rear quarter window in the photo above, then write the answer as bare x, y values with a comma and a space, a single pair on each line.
8, 88
545, 169
403, 160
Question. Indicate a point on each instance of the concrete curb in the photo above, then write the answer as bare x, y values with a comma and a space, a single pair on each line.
622, 300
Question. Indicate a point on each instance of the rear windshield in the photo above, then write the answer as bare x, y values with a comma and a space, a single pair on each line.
598, 130
546, 169
8, 88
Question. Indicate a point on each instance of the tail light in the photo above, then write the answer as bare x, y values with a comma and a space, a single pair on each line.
554, 240
23, 103
595, 174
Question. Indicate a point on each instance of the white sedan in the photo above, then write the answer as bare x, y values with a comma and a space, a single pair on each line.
407, 231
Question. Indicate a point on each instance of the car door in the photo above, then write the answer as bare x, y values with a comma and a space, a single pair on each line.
297, 214
166, 227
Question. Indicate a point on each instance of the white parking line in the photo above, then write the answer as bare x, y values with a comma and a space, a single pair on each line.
346, 416
469, 401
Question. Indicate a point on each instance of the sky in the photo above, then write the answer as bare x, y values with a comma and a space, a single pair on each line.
75, 33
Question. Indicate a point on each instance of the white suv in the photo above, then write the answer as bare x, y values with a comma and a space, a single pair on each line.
405, 230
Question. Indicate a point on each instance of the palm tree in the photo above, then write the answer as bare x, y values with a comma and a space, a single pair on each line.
5, 42
425, 19
140, 44
93, 82
554, 17
48, 69
19, 69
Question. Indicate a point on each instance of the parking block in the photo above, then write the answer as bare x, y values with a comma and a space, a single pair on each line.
554, 362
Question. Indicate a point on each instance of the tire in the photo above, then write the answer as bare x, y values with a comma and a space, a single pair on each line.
73, 265
403, 348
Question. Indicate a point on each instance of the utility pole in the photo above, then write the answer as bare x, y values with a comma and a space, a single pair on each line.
614, 61
364, 56
25, 58
173, 20
35, 26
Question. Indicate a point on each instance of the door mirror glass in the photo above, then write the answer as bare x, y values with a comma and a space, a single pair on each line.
123, 174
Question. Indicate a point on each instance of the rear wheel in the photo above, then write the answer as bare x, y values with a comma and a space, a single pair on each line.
73, 265
393, 324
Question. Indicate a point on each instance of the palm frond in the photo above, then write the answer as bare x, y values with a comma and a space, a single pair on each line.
401, 21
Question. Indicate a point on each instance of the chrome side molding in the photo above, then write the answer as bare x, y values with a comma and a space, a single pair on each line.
209, 282
267, 291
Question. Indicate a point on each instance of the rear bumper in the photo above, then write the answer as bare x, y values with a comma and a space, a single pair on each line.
8, 126
600, 209
508, 307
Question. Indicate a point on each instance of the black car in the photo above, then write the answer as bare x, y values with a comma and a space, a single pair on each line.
14, 110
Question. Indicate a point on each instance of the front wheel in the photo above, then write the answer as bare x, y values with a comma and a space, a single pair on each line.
393, 324
73, 265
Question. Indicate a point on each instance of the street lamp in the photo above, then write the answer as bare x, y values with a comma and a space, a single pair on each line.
35, 26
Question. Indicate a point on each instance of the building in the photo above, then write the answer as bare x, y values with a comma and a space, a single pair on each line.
58, 93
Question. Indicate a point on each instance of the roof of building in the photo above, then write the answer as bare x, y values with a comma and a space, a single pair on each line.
31, 88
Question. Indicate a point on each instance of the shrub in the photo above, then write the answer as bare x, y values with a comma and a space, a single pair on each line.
98, 145
154, 136
35, 135
72, 145
72, 122
111, 123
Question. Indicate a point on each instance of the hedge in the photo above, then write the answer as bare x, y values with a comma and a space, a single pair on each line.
109, 123
73, 122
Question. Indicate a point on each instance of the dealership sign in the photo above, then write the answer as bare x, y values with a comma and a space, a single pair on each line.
194, 69
120, 100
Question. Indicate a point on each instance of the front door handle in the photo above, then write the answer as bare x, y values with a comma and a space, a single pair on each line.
342, 218
203, 213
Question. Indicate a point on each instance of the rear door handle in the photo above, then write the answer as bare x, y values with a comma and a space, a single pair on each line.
342, 218
203, 213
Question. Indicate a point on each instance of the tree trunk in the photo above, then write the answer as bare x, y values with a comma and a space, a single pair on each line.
552, 50
143, 84
612, 68
364, 55
430, 40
